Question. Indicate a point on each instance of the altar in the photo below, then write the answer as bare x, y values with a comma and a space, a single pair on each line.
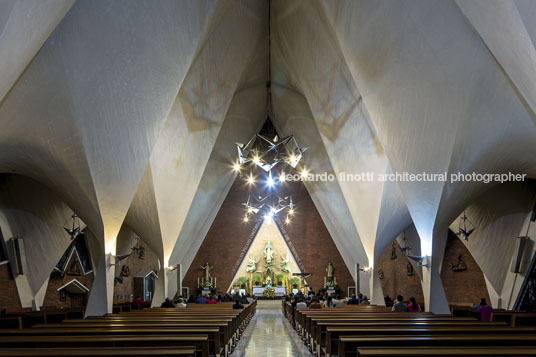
259, 291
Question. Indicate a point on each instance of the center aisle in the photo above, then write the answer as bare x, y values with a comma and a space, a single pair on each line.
269, 334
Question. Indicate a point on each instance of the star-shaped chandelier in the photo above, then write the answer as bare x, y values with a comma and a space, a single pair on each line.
284, 150
269, 205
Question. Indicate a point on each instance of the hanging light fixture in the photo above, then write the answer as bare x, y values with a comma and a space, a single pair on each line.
72, 226
465, 227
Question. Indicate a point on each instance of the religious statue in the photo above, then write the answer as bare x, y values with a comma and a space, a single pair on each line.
207, 281
252, 265
459, 266
381, 275
409, 267
329, 270
283, 265
74, 269
268, 254
330, 280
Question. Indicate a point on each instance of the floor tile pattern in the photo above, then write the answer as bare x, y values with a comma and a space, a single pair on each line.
270, 335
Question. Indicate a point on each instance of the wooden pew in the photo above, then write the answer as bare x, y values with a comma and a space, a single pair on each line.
214, 341
333, 334
99, 351
445, 351
323, 339
199, 342
348, 344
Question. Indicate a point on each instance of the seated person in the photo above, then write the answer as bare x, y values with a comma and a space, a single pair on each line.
137, 303
211, 300
249, 299
301, 304
353, 300
167, 303
365, 300
399, 305
227, 298
180, 304
238, 305
413, 305
485, 310
338, 302
191, 300
328, 302
315, 304
201, 300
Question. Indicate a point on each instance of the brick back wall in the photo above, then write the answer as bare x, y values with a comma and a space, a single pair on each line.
466, 287
9, 296
226, 241
396, 280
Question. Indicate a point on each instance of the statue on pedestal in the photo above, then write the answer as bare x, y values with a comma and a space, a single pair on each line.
269, 254
283, 265
252, 265
330, 280
207, 281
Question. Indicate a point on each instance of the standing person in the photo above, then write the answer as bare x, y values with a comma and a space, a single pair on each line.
399, 305
413, 305
485, 310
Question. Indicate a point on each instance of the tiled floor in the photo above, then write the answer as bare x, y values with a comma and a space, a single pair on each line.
270, 335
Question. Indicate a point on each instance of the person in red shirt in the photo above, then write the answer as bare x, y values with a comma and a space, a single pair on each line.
211, 300
315, 304
485, 310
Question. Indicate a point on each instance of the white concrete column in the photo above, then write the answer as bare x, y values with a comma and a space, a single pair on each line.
376, 291
435, 299
161, 288
102, 292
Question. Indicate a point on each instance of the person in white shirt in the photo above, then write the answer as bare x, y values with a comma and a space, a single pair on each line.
301, 305
338, 302
181, 304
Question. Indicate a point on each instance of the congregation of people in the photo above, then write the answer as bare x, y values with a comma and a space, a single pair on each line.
324, 299
239, 300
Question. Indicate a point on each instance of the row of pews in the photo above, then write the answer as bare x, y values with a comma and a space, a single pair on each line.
366, 330
199, 330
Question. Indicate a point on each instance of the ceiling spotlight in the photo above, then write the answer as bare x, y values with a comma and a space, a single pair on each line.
246, 219
282, 177
251, 179
287, 221
250, 209
256, 160
291, 211
304, 173
236, 167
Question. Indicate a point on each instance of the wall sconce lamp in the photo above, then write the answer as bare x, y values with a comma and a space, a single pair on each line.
422, 261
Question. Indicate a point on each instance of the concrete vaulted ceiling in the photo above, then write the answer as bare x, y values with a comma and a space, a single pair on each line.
128, 111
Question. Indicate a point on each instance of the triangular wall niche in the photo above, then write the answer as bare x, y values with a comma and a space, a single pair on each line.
268, 235
229, 238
